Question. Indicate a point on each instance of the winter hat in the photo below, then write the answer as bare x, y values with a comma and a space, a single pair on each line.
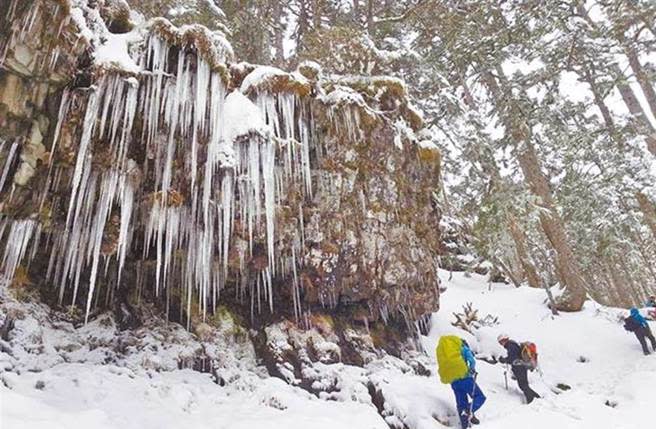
502, 337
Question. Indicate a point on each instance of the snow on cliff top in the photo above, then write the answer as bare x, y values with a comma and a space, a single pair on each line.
113, 52
262, 75
242, 117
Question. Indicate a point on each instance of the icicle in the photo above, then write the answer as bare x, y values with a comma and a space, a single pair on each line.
17, 241
296, 296
8, 162
87, 131
305, 152
63, 109
126, 197
179, 108
107, 192
268, 169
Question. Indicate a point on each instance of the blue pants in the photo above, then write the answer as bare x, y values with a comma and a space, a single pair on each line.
463, 389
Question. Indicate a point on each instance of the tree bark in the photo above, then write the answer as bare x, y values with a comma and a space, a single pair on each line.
303, 24
356, 12
278, 31
612, 290
569, 271
627, 294
635, 108
317, 13
507, 271
588, 75
522, 254
648, 211
644, 253
641, 76
637, 285
370, 16
574, 295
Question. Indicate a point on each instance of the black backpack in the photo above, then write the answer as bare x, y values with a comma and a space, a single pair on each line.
630, 324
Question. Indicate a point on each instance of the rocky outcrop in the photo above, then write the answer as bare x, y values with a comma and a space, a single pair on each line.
139, 163
40, 347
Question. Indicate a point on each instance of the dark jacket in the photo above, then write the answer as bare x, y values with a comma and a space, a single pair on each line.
514, 357
635, 314
633, 325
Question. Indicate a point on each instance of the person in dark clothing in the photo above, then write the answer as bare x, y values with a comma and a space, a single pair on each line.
640, 327
518, 366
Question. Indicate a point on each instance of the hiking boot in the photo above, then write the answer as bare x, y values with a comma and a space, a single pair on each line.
465, 421
474, 420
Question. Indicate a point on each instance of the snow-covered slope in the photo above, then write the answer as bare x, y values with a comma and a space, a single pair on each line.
611, 381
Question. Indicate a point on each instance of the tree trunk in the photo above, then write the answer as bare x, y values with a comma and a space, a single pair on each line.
522, 254
588, 75
570, 276
627, 294
648, 211
317, 13
642, 248
370, 16
635, 108
278, 33
612, 290
467, 95
507, 271
637, 285
574, 295
356, 12
303, 24
641, 76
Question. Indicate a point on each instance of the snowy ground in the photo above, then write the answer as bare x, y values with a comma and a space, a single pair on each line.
612, 382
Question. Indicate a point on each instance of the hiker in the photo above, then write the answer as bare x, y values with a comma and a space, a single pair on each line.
651, 302
457, 367
518, 365
640, 327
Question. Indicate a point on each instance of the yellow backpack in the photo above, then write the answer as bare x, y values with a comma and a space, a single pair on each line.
451, 365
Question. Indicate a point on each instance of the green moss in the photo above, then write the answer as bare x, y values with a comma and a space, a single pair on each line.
429, 155
413, 117
281, 83
229, 323
197, 38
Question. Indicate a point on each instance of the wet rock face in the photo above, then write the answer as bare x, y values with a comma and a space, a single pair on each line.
372, 235
40, 53
171, 176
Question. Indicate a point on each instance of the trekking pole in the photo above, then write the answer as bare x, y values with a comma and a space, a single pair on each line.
471, 406
505, 376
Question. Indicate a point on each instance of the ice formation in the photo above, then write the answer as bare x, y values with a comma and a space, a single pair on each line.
218, 167
166, 171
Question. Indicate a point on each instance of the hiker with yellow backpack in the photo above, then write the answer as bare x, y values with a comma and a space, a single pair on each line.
521, 358
457, 367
